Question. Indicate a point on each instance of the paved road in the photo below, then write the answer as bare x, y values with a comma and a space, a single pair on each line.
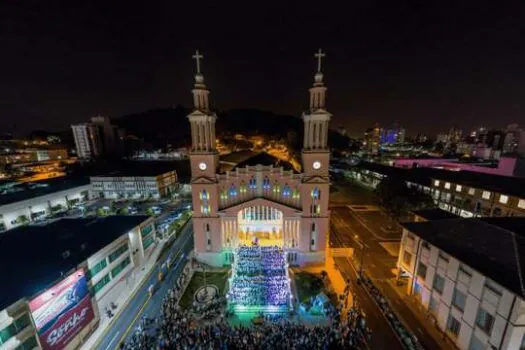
142, 304
383, 337
346, 224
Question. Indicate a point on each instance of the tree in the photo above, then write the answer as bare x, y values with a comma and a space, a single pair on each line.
22, 220
395, 196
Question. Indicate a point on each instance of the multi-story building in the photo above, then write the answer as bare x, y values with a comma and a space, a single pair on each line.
30, 202
88, 141
96, 138
372, 140
140, 180
86, 258
392, 136
514, 140
464, 193
467, 275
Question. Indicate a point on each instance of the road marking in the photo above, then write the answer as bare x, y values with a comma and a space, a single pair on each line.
133, 322
112, 340
147, 301
145, 279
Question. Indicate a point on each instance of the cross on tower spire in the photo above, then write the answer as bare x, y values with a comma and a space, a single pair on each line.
319, 55
197, 57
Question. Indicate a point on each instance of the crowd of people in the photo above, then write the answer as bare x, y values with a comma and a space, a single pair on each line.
260, 277
207, 326
178, 329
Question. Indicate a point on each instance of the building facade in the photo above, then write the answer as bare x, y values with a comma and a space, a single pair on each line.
152, 186
96, 138
464, 193
39, 200
260, 203
115, 248
473, 304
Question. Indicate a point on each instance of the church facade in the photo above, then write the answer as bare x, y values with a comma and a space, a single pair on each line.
260, 204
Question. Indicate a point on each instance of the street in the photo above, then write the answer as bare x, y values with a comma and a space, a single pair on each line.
141, 303
371, 233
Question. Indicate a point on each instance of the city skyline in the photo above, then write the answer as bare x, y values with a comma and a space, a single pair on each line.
427, 69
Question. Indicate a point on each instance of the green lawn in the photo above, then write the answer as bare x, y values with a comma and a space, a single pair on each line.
308, 285
217, 278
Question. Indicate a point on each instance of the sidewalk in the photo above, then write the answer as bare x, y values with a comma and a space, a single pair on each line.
418, 319
121, 294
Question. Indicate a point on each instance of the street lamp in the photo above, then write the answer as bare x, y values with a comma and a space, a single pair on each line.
362, 245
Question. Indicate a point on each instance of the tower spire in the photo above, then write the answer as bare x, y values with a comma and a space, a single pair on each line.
200, 91
318, 90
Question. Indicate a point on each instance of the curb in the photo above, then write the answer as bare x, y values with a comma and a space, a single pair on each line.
117, 315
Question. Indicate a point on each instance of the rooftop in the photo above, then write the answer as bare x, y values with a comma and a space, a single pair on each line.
29, 268
30, 190
485, 245
264, 158
514, 186
143, 168
435, 214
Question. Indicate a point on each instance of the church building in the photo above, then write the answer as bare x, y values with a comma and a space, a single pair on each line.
262, 204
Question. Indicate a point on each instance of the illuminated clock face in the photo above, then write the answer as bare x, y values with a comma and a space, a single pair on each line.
317, 165
202, 166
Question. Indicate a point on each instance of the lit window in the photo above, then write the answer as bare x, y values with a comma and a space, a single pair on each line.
407, 258
286, 191
458, 188
471, 191
266, 183
503, 199
242, 187
276, 188
436, 183
447, 185
521, 203
233, 190
315, 193
252, 183
295, 194
485, 195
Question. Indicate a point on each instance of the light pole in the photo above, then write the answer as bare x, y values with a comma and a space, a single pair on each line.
362, 245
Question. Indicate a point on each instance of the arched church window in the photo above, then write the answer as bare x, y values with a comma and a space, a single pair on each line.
253, 183
313, 226
296, 194
207, 227
224, 194
204, 196
233, 190
286, 190
276, 188
316, 194
242, 188
266, 183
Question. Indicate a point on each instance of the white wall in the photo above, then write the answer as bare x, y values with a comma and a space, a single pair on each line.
480, 292
11, 212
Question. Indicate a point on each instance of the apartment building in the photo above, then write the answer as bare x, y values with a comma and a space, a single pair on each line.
468, 276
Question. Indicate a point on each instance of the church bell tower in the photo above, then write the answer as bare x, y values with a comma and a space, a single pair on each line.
315, 186
204, 162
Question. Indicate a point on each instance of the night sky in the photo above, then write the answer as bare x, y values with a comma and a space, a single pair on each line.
426, 66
